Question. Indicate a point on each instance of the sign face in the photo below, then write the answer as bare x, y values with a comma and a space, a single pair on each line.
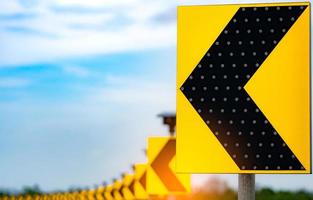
243, 89
138, 185
125, 191
116, 190
161, 176
108, 192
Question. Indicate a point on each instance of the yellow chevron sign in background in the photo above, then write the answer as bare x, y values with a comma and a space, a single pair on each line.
161, 176
279, 89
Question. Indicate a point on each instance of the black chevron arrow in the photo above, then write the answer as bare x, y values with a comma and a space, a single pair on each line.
215, 88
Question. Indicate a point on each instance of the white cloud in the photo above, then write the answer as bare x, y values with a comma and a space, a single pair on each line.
11, 82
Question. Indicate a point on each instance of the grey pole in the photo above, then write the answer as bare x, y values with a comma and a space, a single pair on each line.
246, 187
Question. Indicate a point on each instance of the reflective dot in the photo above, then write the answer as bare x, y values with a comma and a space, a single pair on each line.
237, 31
208, 122
243, 167
248, 99
191, 77
289, 8
283, 30
231, 53
227, 88
225, 76
222, 65
251, 133
182, 88
219, 121
269, 19
281, 156
225, 144
263, 132
277, 8
281, 19
272, 30
219, 54
253, 121
242, 53
265, 122
249, 31
254, 53
199, 65
215, 88
239, 87
257, 110
199, 110
210, 110
217, 43
265, 53
254, 9
240, 42
292, 19
266, 167
272, 144
290, 167
248, 76
228, 42
254, 167
274, 41
245, 110
216, 132
260, 31
228, 133
205, 88
231, 122
260, 144
278, 167
224, 99
233, 65
275, 133
236, 99
257, 155
246, 156
234, 20
202, 77
251, 42
269, 156
233, 110
202, 99
222, 110
248, 145
213, 99
190, 99
246, 20
234, 156
257, 19
236, 76
266, 8
208, 54
213, 76
242, 121
237, 144
225, 31
211, 65
239, 133
263, 42
245, 65
193, 88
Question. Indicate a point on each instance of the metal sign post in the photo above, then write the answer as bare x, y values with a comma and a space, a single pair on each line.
246, 187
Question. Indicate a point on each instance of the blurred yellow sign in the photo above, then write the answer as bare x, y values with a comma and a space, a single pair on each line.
243, 88
161, 176
125, 191
138, 185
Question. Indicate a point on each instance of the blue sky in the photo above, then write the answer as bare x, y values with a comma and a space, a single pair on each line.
81, 83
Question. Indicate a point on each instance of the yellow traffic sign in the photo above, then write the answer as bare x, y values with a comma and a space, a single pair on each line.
108, 192
125, 191
116, 190
138, 184
161, 176
243, 88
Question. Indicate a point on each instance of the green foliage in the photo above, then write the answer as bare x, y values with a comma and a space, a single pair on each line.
31, 190
269, 194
